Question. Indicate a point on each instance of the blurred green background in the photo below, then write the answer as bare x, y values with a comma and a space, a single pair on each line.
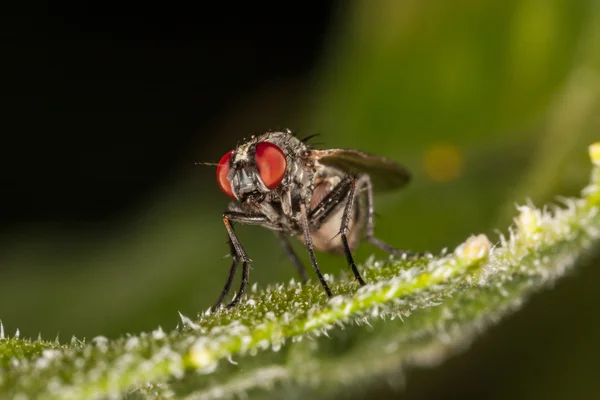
488, 103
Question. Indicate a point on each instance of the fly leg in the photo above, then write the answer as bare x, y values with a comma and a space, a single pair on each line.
292, 255
365, 180
345, 190
344, 228
234, 264
238, 253
309, 248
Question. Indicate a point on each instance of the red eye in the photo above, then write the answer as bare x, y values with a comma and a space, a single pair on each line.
271, 164
222, 171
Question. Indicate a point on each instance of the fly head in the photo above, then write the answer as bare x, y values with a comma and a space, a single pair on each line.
261, 168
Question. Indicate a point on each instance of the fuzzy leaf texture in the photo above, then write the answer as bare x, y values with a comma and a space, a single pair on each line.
293, 340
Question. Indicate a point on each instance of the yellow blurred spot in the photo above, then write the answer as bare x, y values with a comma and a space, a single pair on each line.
474, 248
595, 153
200, 357
443, 162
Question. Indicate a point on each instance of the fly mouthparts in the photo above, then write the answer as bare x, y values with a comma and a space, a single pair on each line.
209, 164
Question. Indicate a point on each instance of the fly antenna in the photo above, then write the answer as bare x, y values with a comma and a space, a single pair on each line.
210, 164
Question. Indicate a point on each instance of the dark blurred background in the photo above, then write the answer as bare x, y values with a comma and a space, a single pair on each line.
108, 227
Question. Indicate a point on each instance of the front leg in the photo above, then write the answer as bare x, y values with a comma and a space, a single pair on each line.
238, 253
232, 269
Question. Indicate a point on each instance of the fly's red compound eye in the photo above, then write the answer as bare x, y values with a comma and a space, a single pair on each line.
271, 164
222, 171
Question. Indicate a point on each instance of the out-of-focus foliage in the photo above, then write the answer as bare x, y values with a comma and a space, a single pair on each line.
486, 102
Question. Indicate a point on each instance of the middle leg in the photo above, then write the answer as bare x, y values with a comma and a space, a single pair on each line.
344, 229
309, 247
342, 195
292, 255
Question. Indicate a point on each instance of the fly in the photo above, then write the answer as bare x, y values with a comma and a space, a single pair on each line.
322, 197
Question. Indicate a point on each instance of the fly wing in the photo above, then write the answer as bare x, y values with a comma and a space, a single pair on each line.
385, 174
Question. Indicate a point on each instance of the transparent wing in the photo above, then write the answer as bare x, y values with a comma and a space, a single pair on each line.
385, 174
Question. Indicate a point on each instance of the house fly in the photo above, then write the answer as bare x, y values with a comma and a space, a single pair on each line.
322, 197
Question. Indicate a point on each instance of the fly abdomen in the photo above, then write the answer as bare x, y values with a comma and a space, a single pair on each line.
327, 211
327, 237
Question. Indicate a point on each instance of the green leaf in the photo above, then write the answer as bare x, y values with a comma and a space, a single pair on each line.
413, 312
14, 349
